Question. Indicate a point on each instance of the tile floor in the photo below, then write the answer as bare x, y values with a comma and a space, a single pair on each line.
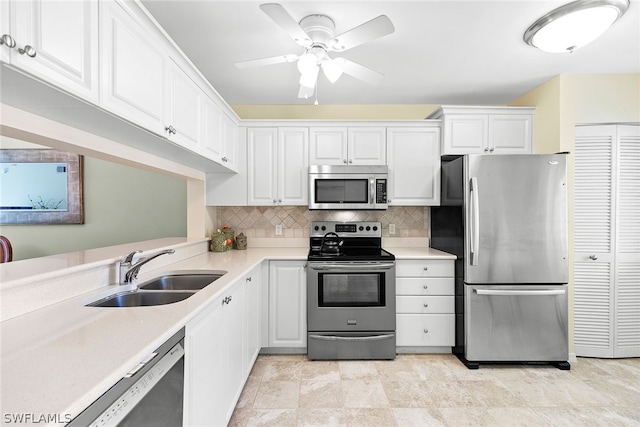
437, 390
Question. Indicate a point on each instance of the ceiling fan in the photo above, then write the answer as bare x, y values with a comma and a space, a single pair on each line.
316, 33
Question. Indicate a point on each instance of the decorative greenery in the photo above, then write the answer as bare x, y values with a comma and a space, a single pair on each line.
41, 204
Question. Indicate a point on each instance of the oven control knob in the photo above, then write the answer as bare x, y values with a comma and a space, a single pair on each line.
361, 228
375, 228
324, 228
368, 228
316, 228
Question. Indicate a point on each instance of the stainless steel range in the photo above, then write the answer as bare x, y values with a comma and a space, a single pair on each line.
351, 293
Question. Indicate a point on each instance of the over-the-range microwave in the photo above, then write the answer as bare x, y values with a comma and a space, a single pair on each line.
348, 187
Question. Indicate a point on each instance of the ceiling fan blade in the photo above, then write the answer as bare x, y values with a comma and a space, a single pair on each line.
267, 61
360, 71
280, 16
370, 30
305, 92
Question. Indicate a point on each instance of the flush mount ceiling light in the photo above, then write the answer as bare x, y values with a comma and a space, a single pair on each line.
574, 25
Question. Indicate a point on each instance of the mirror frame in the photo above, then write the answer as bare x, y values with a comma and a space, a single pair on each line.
75, 203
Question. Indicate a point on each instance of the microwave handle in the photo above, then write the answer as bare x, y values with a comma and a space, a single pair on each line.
371, 190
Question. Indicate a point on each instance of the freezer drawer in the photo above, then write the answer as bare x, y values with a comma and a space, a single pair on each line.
525, 323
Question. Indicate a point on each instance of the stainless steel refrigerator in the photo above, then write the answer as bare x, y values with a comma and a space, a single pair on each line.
505, 217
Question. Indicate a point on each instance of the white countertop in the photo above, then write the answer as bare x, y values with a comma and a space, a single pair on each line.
60, 358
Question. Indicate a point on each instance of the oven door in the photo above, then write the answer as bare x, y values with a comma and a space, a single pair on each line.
351, 296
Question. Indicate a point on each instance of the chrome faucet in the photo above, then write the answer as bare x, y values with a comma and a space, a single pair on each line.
129, 271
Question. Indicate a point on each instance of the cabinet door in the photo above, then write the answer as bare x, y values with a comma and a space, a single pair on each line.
293, 166
229, 138
261, 167
211, 130
252, 314
64, 35
234, 341
204, 368
327, 146
510, 133
182, 116
132, 66
413, 156
367, 146
465, 134
287, 304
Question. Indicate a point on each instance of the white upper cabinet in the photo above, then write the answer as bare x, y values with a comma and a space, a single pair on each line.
367, 146
132, 65
182, 118
342, 145
229, 138
55, 41
486, 130
277, 166
212, 145
413, 157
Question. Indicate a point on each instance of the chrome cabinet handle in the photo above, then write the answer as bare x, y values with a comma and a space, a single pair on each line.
248, 279
170, 129
491, 150
224, 159
226, 300
350, 160
593, 257
6, 39
29, 50
344, 160
486, 150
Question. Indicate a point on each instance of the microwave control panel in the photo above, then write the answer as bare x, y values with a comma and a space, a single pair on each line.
381, 191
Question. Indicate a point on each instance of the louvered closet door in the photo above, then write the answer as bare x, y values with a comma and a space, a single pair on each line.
593, 243
627, 272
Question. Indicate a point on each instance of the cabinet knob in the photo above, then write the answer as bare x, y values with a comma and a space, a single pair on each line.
425, 286
486, 150
425, 268
279, 200
224, 159
170, 129
593, 257
350, 160
248, 279
275, 201
344, 160
6, 39
28, 50
425, 305
491, 150
426, 331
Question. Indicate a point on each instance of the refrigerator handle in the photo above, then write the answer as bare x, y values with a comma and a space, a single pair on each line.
513, 292
475, 221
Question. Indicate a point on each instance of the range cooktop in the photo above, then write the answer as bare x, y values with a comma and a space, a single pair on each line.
347, 241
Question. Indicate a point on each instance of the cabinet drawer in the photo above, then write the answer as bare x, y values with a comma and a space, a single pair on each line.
420, 286
425, 330
425, 305
425, 268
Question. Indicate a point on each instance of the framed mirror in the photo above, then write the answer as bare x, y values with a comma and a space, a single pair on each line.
40, 186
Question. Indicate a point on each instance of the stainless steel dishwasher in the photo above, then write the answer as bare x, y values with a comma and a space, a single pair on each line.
152, 394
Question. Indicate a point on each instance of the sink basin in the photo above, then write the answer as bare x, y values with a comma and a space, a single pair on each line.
181, 281
140, 299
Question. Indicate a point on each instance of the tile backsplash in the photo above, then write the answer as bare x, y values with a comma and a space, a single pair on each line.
261, 221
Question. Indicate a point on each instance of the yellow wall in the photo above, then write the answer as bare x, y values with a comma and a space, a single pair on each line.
334, 112
571, 99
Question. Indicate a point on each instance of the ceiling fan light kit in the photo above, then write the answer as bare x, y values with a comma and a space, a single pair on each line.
316, 33
574, 25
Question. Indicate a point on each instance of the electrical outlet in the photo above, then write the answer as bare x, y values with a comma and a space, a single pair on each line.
279, 230
392, 229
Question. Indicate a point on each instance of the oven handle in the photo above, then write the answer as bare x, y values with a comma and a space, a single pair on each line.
351, 339
382, 266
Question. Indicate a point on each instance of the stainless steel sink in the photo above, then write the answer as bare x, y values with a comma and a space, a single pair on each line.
182, 281
140, 299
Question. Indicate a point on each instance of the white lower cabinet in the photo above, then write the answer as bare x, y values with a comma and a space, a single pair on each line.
425, 303
287, 304
252, 317
214, 362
